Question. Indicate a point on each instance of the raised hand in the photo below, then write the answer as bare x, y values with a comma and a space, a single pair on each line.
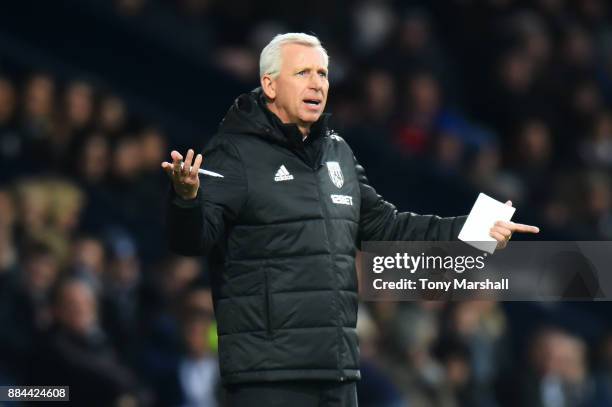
184, 177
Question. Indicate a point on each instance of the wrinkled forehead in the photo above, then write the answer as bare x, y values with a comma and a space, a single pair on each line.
302, 56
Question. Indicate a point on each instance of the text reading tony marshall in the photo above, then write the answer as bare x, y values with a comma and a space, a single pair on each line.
536, 271
407, 263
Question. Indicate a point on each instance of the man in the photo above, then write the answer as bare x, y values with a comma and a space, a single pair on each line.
76, 353
281, 228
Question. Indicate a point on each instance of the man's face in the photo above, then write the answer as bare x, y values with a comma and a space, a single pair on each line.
76, 309
299, 92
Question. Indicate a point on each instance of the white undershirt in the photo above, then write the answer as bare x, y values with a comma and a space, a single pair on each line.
198, 379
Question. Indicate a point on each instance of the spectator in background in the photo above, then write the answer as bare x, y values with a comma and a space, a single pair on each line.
38, 107
8, 273
26, 310
533, 156
597, 215
88, 261
76, 123
372, 131
161, 308
39, 121
112, 116
79, 108
413, 46
124, 187
376, 387
198, 369
67, 202
92, 172
448, 153
603, 373
121, 297
514, 94
93, 161
454, 357
33, 207
373, 23
11, 143
558, 371
422, 106
534, 37
478, 331
8, 105
486, 174
379, 99
414, 331
596, 148
193, 379
8, 249
49, 212
580, 111
578, 52
153, 147
77, 353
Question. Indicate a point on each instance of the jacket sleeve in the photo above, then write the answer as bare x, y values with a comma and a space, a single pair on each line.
193, 227
381, 221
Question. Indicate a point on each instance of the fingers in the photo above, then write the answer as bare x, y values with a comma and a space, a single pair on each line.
197, 163
517, 227
497, 236
167, 167
186, 170
502, 241
179, 168
507, 233
176, 156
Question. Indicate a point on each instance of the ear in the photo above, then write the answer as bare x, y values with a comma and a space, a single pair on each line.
268, 84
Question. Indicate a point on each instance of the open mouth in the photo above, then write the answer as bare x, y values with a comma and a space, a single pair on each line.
312, 102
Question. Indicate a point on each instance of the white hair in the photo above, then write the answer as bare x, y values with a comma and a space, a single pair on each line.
271, 57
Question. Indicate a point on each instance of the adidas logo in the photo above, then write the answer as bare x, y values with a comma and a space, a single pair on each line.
282, 174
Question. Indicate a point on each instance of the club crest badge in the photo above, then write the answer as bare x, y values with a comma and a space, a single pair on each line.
335, 173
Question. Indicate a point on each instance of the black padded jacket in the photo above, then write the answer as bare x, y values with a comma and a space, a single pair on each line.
281, 230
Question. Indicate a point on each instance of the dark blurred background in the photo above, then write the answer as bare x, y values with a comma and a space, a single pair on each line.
439, 99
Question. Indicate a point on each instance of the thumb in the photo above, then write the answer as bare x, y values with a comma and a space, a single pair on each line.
509, 202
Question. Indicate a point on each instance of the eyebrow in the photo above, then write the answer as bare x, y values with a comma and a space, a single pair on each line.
308, 68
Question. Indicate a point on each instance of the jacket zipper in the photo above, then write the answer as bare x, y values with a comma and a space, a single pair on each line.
327, 227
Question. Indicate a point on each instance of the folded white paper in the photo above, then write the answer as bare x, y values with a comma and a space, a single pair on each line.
485, 212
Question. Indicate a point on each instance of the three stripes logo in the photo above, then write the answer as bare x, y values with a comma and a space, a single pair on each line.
282, 174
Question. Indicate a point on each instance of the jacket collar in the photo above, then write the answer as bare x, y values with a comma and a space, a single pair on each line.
250, 115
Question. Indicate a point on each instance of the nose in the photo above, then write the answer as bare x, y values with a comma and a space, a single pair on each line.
316, 82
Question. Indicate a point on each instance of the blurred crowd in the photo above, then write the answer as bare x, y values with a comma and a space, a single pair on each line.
88, 294
439, 100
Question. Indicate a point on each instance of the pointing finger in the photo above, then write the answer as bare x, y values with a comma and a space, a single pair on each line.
519, 227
